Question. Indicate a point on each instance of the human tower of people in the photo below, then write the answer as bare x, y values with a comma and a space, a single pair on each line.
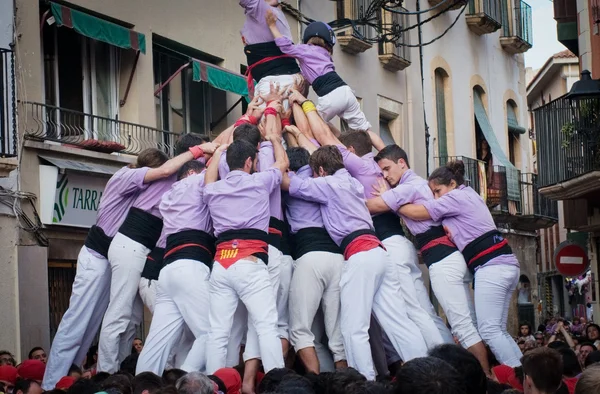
240, 241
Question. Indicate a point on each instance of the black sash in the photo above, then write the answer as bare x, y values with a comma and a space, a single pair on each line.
386, 225
314, 239
142, 227
98, 241
327, 83
485, 248
257, 52
190, 244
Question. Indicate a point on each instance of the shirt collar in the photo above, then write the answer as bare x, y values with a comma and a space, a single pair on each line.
406, 176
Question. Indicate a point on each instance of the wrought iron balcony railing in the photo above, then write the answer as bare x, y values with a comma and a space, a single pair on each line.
8, 108
568, 139
49, 123
521, 24
534, 203
484, 16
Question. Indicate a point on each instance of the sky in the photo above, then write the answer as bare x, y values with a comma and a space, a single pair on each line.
545, 43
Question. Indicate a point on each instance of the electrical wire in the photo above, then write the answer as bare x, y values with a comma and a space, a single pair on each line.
12, 199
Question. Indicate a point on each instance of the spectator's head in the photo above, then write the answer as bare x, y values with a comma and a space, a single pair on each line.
369, 388
357, 142
393, 161
171, 376
147, 383
247, 132
571, 366
119, 383
524, 329
494, 387
138, 344
8, 376
539, 338
74, 371
429, 375
465, 363
91, 358
150, 157
326, 160
593, 332
584, 350
241, 155
447, 178
38, 353
32, 369
543, 370
167, 390
187, 141
6, 358
298, 157
27, 386
84, 386
100, 377
189, 168
129, 364
65, 383
272, 379
507, 375
231, 378
295, 384
589, 381
195, 383
338, 381
592, 358
557, 345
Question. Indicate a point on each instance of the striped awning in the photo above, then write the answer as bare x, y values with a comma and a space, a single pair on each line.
220, 78
98, 29
512, 120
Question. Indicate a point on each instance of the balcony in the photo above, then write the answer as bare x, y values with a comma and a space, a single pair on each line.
352, 39
78, 129
8, 113
530, 212
484, 16
568, 141
456, 4
517, 35
565, 14
395, 56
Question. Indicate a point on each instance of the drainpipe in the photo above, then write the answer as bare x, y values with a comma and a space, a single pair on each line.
420, 33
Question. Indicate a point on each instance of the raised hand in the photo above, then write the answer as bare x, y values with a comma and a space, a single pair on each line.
209, 147
380, 187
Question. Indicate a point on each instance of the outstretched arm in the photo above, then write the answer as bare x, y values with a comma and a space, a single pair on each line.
376, 141
171, 166
414, 212
212, 173
321, 131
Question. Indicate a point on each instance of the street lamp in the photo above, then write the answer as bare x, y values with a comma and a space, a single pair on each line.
584, 101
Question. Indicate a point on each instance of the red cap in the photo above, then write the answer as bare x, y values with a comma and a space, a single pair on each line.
8, 373
506, 375
65, 382
231, 378
32, 369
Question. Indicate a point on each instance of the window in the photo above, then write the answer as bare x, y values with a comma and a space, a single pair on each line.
514, 134
184, 105
390, 121
440, 106
385, 132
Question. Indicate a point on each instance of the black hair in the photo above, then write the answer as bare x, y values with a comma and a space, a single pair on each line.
465, 363
119, 382
369, 387
592, 358
247, 132
597, 327
89, 362
493, 387
192, 165
342, 379
35, 349
84, 386
238, 152
147, 381
129, 364
295, 384
329, 158
187, 141
299, 157
545, 368
571, 366
429, 375
171, 376
359, 140
586, 343
23, 385
74, 369
393, 153
452, 171
558, 345
273, 378
100, 377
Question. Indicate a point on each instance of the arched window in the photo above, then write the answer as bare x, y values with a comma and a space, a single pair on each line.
441, 81
514, 133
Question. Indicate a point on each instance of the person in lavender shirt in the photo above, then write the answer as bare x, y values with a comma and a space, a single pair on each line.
137, 236
183, 290
450, 278
90, 295
471, 227
314, 56
266, 63
369, 282
239, 207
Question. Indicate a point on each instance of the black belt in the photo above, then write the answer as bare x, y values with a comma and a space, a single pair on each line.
142, 227
190, 244
98, 241
485, 248
314, 239
154, 263
327, 83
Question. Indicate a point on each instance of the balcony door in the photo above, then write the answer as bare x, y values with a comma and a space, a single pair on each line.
81, 82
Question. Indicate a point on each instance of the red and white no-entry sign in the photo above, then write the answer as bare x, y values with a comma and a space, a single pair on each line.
571, 259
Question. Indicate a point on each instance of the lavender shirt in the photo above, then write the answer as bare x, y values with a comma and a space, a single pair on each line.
149, 199
411, 189
342, 202
364, 169
118, 196
182, 208
301, 213
466, 216
255, 29
241, 201
266, 159
223, 166
162, 241
314, 60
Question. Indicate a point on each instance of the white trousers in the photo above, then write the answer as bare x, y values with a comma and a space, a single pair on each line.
494, 287
182, 298
451, 284
238, 334
324, 355
127, 258
316, 282
343, 103
248, 281
286, 269
253, 349
147, 290
418, 306
370, 283
283, 81
81, 321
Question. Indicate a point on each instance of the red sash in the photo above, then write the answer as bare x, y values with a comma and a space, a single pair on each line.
437, 242
229, 252
362, 243
250, 79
